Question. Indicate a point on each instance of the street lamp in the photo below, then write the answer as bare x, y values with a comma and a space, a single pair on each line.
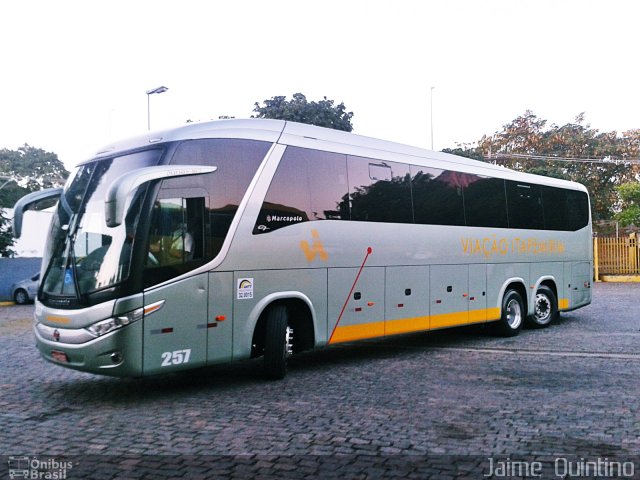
431, 107
149, 93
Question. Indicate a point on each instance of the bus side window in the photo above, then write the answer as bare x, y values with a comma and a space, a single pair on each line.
176, 234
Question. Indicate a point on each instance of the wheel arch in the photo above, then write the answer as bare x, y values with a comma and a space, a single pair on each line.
515, 283
548, 281
302, 318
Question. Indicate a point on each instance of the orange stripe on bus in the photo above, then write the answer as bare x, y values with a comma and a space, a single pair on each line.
63, 320
362, 331
563, 304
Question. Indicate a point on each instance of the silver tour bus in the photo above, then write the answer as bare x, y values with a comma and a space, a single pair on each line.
236, 239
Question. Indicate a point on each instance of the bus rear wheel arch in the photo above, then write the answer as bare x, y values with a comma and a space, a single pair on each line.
545, 308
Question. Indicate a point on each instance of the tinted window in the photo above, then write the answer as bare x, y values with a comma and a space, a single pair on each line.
578, 209
554, 201
308, 185
237, 162
524, 203
379, 191
485, 202
437, 196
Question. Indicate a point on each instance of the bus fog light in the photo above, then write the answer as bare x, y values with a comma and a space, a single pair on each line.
116, 357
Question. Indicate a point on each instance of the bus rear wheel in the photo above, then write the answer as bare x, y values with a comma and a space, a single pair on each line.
512, 316
545, 310
278, 343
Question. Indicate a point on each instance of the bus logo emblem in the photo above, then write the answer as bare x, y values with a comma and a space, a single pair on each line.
245, 289
316, 249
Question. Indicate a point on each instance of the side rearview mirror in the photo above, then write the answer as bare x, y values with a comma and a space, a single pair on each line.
25, 202
120, 189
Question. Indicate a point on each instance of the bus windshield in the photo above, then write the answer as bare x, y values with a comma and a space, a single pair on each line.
85, 255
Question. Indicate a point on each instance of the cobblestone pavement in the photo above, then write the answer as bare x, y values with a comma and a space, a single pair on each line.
435, 405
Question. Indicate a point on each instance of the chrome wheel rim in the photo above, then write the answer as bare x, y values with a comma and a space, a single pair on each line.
543, 308
288, 341
514, 314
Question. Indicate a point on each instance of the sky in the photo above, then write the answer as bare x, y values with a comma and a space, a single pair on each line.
75, 73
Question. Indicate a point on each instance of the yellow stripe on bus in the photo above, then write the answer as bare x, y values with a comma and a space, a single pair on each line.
563, 304
54, 319
348, 333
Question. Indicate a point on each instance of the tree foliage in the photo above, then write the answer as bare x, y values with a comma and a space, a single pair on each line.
630, 204
30, 169
323, 113
561, 151
6, 237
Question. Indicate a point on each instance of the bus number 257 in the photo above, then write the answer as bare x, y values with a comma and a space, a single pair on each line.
176, 357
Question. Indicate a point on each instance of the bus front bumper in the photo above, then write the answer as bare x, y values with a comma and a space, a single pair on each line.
118, 353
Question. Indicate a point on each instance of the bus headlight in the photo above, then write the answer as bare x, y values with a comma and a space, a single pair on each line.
110, 324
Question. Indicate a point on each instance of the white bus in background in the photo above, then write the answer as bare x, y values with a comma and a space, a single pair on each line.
234, 239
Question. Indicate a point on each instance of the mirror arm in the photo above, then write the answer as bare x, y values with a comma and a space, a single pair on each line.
121, 187
25, 202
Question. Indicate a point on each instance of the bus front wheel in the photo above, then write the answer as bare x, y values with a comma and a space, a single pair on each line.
278, 343
513, 314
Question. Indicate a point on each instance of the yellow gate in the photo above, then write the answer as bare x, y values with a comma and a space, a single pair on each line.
616, 256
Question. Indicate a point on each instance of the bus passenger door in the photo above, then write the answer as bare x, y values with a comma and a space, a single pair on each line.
449, 295
220, 318
175, 334
477, 293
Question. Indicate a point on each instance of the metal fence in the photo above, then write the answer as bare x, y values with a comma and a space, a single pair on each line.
616, 256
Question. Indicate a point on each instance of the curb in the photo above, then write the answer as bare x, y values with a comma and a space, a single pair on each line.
7, 304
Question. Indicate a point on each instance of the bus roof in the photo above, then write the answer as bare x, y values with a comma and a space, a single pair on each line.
310, 136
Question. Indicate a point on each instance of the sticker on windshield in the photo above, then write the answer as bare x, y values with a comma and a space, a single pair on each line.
245, 288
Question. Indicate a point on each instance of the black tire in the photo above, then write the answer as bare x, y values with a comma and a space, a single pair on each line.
278, 345
21, 297
513, 315
545, 308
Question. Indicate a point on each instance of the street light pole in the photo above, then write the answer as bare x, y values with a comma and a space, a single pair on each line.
149, 93
431, 108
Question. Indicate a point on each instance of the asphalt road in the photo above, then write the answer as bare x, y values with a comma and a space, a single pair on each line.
450, 404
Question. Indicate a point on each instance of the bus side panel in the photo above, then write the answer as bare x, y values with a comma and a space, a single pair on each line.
220, 318
175, 336
580, 284
254, 291
449, 295
498, 276
406, 299
356, 303
478, 293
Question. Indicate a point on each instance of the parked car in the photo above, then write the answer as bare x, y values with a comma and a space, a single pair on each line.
25, 290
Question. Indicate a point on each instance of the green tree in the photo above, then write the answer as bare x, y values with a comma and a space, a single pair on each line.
6, 237
323, 113
529, 136
630, 203
468, 152
30, 169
